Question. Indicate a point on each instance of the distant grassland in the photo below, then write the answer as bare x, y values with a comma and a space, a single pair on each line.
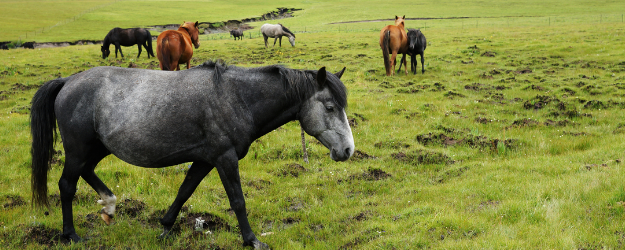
513, 138
31, 17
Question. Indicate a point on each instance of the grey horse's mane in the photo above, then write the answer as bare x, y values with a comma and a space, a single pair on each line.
298, 84
286, 30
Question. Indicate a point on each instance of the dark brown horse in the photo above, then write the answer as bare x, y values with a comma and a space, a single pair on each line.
173, 47
393, 40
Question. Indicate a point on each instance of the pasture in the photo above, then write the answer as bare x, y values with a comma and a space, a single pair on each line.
513, 137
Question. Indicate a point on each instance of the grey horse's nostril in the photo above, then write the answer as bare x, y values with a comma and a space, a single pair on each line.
348, 151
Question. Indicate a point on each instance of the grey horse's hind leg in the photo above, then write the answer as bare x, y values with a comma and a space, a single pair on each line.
195, 175
107, 197
228, 167
78, 157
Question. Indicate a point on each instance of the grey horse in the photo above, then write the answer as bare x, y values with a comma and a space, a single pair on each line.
276, 31
208, 115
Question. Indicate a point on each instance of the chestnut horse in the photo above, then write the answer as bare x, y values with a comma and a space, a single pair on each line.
173, 47
393, 40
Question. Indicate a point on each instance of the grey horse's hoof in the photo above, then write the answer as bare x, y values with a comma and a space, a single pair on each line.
257, 244
167, 234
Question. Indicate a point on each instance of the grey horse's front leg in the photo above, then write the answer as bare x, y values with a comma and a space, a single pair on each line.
265, 36
195, 175
274, 41
228, 167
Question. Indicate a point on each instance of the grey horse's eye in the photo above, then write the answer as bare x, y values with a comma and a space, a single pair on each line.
329, 108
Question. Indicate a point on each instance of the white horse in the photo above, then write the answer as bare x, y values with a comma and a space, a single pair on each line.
276, 31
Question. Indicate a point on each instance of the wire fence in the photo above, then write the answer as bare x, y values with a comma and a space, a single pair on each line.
448, 23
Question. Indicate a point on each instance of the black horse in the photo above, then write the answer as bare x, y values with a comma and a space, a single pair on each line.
416, 46
127, 37
237, 34
208, 115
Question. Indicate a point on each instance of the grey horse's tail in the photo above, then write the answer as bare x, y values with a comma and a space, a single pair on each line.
385, 48
43, 131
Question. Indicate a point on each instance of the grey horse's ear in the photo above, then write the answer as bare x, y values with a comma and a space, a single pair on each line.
321, 76
196, 22
340, 73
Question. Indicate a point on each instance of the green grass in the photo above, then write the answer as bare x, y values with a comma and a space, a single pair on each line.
532, 160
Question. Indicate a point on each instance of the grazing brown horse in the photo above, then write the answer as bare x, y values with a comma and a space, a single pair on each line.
173, 47
393, 40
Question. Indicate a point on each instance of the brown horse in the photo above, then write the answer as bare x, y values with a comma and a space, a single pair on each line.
393, 40
173, 47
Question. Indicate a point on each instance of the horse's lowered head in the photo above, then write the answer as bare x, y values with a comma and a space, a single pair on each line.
193, 32
323, 116
399, 20
105, 52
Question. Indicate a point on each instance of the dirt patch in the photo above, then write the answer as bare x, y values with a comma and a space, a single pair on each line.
372, 174
489, 54
355, 118
453, 95
362, 216
292, 169
43, 235
22, 87
462, 139
130, 207
12, 201
523, 71
211, 222
423, 157
391, 144
525, 122
562, 123
361, 155
539, 102
259, 184
595, 104
449, 174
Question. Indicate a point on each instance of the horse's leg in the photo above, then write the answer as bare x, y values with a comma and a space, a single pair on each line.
413, 64
139, 45
404, 56
228, 167
422, 65
280, 41
108, 199
393, 61
403, 60
77, 157
195, 175
274, 41
188, 64
265, 36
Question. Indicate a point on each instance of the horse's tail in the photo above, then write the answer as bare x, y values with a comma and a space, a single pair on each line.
165, 53
149, 41
385, 50
43, 131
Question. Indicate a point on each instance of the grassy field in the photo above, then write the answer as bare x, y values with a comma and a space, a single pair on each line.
513, 138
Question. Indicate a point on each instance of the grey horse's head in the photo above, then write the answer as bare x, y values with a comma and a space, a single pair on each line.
292, 40
323, 115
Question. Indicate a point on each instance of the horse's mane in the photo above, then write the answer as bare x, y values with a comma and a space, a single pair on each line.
298, 84
286, 30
